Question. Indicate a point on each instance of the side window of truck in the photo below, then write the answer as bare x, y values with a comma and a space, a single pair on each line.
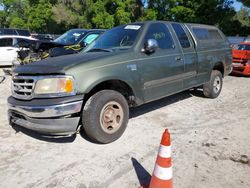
161, 34
182, 36
201, 33
205, 34
214, 34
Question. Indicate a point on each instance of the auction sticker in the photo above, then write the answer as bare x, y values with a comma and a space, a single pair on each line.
76, 34
134, 27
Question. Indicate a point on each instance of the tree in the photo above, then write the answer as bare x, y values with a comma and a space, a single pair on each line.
243, 16
245, 2
57, 16
73, 13
13, 9
39, 16
2, 18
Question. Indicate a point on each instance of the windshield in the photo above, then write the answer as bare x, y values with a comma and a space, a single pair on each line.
121, 37
243, 47
71, 37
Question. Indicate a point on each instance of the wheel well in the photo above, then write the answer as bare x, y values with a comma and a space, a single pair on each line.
219, 66
116, 85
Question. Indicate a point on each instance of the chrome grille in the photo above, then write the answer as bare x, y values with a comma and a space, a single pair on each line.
22, 87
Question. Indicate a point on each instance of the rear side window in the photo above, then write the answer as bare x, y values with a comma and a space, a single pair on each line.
6, 42
181, 34
161, 34
207, 34
214, 34
201, 34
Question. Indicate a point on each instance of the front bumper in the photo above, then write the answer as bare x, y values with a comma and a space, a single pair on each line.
241, 69
54, 119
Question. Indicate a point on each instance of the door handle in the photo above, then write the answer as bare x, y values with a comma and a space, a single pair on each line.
10, 49
178, 58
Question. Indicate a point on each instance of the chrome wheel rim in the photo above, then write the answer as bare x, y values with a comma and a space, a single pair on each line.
111, 117
217, 84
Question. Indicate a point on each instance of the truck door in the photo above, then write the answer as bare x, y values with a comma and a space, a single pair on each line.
162, 71
190, 55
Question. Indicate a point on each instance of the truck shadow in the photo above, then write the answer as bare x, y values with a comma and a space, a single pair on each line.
134, 112
45, 138
152, 106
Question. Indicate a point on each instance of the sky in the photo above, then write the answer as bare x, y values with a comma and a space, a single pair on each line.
236, 5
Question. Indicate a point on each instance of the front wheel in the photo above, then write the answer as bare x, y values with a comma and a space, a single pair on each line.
213, 88
105, 116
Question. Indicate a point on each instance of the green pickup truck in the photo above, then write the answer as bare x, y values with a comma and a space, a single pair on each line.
127, 66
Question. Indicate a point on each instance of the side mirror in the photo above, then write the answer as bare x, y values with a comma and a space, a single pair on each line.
83, 44
150, 46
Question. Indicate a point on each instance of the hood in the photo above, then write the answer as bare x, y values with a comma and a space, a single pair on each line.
46, 45
241, 54
58, 65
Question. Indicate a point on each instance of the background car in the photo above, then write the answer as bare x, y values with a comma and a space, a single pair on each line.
9, 31
79, 36
74, 41
46, 37
241, 59
9, 48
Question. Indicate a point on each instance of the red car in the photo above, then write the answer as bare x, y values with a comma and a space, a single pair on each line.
241, 59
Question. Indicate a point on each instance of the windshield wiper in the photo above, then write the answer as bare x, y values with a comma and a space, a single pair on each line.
99, 50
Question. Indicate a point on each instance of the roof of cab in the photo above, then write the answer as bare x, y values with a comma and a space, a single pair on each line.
162, 21
87, 30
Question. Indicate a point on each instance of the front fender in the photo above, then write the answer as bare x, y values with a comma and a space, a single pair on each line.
87, 79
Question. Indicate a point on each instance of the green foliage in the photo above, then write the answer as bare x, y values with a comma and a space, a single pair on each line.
243, 17
3, 18
149, 14
100, 17
17, 22
39, 15
57, 16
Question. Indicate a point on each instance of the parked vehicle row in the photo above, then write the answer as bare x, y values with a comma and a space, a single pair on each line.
127, 66
15, 49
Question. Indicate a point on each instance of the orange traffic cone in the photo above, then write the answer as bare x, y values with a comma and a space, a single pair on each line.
162, 175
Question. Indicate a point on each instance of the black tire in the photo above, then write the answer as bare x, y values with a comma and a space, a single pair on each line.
213, 88
105, 116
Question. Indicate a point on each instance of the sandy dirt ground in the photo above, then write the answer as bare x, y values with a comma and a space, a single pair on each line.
210, 140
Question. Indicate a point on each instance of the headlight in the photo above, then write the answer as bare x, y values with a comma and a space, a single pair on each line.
55, 86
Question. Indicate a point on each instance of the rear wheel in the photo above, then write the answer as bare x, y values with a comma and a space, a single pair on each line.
105, 116
213, 88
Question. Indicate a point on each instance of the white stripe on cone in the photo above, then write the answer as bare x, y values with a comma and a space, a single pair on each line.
163, 173
165, 151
